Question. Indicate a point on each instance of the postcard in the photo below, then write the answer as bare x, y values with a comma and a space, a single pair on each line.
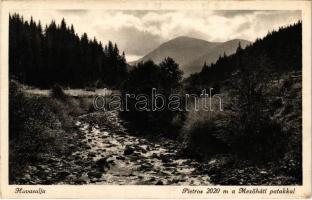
155, 99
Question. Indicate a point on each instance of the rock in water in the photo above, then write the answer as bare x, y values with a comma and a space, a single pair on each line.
165, 159
62, 174
152, 179
128, 151
145, 166
159, 183
91, 154
120, 158
102, 162
94, 174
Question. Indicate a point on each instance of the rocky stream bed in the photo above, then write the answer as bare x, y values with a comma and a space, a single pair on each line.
105, 154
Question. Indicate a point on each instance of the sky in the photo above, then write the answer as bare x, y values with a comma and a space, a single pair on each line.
137, 32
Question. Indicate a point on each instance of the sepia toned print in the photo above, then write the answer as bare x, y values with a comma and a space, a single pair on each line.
210, 101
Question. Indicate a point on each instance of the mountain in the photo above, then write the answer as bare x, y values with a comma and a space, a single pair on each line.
191, 53
212, 56
181, 49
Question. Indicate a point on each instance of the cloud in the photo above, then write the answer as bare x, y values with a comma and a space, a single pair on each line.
130, 39
138, 32
72, 12
233, 13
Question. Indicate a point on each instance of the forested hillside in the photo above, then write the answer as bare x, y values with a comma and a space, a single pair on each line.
280, 50
57, 54
261, 122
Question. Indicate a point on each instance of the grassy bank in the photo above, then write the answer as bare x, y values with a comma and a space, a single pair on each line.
40, 126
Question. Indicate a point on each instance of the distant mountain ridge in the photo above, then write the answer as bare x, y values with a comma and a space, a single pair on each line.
191, 53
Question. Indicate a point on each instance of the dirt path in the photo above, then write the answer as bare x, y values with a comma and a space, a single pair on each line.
107, 155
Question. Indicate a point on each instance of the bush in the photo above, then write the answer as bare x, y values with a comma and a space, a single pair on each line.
58, 92
202, 133
206, 133
262, 140
91, 89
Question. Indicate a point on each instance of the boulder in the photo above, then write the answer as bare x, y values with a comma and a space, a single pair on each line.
159, 182
102, 162
146, 166
128, 151
120, 158
94, 174
62, 174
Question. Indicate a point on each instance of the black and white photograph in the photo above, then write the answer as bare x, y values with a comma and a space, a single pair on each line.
159, 97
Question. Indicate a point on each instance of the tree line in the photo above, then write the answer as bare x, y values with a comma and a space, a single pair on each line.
56, 54
281, 49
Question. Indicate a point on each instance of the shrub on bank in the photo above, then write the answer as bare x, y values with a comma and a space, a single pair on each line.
39, 125
206, 133
58, 92
202, 132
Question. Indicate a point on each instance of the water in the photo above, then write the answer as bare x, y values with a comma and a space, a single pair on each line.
106, 154
148, 164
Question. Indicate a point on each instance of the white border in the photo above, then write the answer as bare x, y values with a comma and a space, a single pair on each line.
114, 191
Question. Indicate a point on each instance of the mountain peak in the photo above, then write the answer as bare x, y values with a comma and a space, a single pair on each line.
188, 39
184, 38
191, 53
239, 40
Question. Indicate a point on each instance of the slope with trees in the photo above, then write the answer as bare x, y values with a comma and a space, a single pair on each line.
261, 125
282, 48
56, 54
